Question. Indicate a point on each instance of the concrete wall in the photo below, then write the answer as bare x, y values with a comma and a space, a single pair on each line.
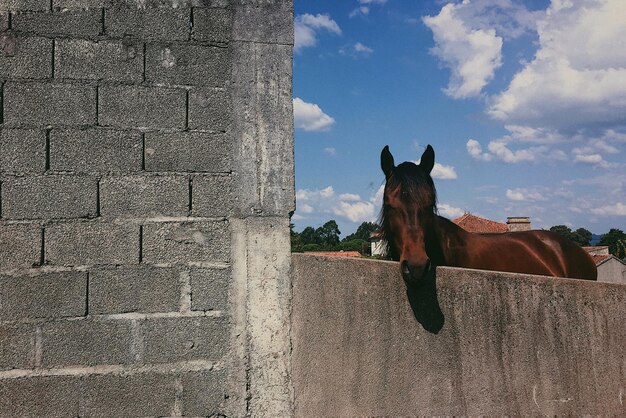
146, 180
477, 343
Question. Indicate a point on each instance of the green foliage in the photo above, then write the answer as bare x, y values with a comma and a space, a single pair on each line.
312, 247
326, 238
352, 245
615, 239
363, 232
328, 234
581, 236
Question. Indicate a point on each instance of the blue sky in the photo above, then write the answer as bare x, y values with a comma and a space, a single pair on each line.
523, 102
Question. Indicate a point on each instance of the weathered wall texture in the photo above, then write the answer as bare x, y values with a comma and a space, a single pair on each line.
497, 344
146, 178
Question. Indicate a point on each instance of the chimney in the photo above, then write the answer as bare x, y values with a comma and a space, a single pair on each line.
518, 223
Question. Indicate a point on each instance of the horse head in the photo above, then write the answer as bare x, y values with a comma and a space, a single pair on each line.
408, 213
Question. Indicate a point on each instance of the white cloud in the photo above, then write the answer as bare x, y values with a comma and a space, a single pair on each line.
330, 151
377, 199
304, 208
509, 18
355, 212
576, 79
524, 195
372, 1
449, 211
349, 206
476, 151
472, 55
307, 26
327, 192
499, 149
443, 172
310, 117
356, 50
360, 11
350, 197
617, 209
359, 47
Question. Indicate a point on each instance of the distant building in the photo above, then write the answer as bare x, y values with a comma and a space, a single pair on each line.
518, 223
377, 245
610, 268
477, 224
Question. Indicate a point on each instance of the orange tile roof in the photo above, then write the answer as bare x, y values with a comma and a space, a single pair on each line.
335, 253
473, 223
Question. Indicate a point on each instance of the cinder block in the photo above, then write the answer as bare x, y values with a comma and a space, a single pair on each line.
196, 65
209, 109
188, 151
20, 246
144, 196
204, 393
104, 60
212, 24
86, 343
149, 22
62, 22
212, 196
134, 289
169, 340
88, 243
95, 150
53, 295
209, 289
49, 197
36, 397
137, 395
82, 4
17, 347
147, 4
25, 57
186, 242
24, 5
4, 21
277, 18
49, 104
136, 106
22, 151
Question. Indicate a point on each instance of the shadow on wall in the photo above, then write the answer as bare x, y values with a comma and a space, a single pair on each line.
425, 306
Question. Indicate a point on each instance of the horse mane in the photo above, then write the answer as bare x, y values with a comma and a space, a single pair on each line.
418, 189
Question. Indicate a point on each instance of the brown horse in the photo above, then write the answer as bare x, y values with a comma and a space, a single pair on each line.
420, 239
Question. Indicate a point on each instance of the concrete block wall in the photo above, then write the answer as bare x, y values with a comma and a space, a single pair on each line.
473, 343
146, 182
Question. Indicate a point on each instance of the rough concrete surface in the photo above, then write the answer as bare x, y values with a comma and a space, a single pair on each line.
480, 343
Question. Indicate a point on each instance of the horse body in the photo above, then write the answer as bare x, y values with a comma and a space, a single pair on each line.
420, 239
530, 252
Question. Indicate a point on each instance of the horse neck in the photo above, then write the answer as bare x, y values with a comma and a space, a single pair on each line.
444, 241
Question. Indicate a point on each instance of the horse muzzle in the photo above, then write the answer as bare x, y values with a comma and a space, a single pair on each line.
415, 274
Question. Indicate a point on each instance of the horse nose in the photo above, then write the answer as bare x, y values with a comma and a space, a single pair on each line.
414, 273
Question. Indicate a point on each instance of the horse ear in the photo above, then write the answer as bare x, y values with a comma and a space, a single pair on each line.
386, 161
427, 161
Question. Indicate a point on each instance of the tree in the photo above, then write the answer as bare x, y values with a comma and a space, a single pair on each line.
309, 236
328, 234
363, 232
615, 239
296, 240
581, 236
